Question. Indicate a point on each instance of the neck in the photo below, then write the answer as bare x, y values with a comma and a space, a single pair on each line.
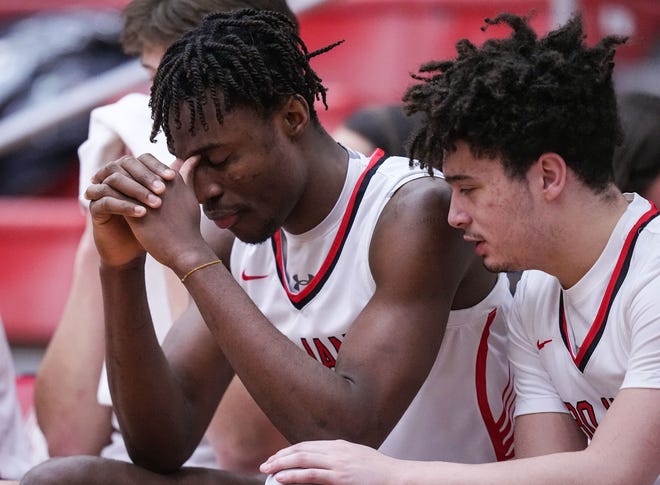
586, 233
327, 163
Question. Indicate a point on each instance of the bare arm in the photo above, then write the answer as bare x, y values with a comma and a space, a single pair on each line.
417, 263
240, 434
546, 433
625, 449
66, 404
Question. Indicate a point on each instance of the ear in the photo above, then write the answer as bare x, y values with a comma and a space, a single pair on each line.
551, 170
295, 116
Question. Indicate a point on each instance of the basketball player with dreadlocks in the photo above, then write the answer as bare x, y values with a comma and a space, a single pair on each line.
524, 130
328, 290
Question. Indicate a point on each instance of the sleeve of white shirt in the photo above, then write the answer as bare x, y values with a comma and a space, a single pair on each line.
534, 390
15, 453
644, 362
117, 129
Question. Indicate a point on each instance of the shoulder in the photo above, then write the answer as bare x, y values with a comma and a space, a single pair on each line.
420, 203
130, 105
413, 231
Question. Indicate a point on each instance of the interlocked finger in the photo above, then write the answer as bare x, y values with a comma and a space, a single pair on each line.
104, 199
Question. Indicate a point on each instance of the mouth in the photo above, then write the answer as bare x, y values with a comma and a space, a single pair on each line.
223, 219
479, 243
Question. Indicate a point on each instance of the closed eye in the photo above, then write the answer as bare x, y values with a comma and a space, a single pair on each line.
215, 163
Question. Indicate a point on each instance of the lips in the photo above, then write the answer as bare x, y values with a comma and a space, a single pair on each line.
223, 219
479, 244
479, 248
226, 222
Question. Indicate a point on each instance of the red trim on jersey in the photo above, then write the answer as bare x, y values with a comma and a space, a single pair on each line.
333, 253
616, 280
500, 431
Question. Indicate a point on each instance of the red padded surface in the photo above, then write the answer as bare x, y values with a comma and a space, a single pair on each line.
38, 241
638, 19
25, 393
386, 40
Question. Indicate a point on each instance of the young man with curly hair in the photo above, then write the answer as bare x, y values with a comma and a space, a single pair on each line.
330, 281
524, 130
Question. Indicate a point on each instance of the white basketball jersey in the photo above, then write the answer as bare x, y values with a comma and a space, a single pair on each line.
312, 287
573, 350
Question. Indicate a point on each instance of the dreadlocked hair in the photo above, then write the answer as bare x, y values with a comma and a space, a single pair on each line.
518, 97
246, 58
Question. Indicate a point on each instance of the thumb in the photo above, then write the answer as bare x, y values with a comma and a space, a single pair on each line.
187, 170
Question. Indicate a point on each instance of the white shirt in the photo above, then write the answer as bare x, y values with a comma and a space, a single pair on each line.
15, 451
580, 366
463, 410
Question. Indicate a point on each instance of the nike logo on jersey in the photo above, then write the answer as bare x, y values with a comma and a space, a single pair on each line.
540, 345
246, 277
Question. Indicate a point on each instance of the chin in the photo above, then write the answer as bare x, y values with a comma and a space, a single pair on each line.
252, 238
257, 237
499, 267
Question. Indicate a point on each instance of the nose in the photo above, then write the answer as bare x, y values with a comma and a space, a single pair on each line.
458, 217
205, 186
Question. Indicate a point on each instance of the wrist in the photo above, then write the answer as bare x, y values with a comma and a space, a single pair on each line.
190, 262
135, 264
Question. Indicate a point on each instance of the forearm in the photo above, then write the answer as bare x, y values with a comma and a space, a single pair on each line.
304, 399
150, 405
66, 404
571, 468
240, 434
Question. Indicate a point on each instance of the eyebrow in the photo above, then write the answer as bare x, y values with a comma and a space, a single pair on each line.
199, 151
456, 178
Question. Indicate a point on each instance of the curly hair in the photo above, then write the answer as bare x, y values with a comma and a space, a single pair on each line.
246, 58
518, 97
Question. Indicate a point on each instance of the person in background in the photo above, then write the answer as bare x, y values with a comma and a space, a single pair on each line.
16, 455
637, 159
361, 315
387, 127
524, 130
72, 399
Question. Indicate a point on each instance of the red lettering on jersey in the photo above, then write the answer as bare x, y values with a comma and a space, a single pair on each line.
323, 353
304, 343
336, 343
327, 359
584, 415
588, 417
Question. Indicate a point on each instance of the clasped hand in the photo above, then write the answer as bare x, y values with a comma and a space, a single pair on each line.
138, 205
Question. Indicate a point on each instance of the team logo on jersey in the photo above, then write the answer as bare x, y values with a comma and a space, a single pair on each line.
299, 282
540, 345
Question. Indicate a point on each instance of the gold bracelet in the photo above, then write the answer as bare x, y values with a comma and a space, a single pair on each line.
216, 261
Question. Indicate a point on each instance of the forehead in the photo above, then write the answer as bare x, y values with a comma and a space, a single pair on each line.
462, 164
239, 126
151, 55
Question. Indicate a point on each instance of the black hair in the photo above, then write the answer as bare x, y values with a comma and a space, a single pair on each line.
518, 97
246, 58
